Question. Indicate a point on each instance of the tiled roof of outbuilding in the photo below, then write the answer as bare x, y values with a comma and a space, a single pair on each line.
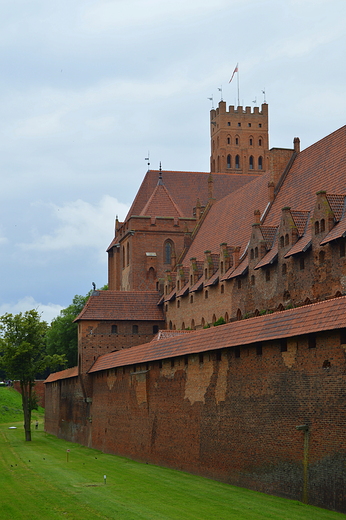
323, 316
122, 305
63, 374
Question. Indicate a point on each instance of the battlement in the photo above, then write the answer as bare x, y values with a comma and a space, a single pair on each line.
239, 111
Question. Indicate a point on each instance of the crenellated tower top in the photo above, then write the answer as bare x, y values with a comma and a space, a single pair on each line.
239, 139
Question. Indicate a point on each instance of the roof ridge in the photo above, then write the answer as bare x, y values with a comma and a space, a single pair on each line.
160, 186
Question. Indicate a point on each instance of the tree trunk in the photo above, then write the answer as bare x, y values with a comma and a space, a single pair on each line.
26, 403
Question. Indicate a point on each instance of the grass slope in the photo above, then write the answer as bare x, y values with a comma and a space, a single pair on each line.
37, 481
11, 406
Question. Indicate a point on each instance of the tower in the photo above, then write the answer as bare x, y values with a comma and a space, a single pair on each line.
239, 139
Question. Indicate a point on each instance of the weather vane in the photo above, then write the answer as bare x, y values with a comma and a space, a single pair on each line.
220, 90
147, 159
212, 101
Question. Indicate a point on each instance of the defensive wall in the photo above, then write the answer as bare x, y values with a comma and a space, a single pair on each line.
225, 412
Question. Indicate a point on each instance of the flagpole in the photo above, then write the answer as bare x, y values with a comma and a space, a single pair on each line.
238, 84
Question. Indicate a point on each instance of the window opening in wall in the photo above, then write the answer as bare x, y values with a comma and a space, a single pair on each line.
186, 360
237, 141
239, 283
218, 355
283, 345
342, 249
252, 254
256, 252
201, 358
155, 329
250, 141
259, 142
170, 325
172, 362
267, 275
251, 162
317, 227
228, 161
257, 312
168, 251
237, 352
203, 322
237, 162
128, 254
226, 317
249, 125
193, 325
343, 336
206, 294
287, 240
311, 341
222, 289
183, 326
259, 349
259, 125
114, 329
178, 304
301, 263
282, 241
206, 274
228, 123
228, 140
323, 225
239, 124
123, 250
260, 163
239, 315
191, 298
284, 269
281, 307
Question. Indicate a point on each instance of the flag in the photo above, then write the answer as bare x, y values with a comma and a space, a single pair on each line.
235, 70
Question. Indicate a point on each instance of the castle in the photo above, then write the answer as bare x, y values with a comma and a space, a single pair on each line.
257, 244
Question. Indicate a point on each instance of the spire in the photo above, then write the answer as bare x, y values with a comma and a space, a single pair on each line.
160, 183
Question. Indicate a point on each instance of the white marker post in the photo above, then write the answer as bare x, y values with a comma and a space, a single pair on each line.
105, 479
67, 453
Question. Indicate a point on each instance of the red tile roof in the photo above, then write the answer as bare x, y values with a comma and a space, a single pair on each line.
229, 220
337, 203
122, 305
318, 167
238, 271
185, 187
63, 374
323, 316
301, 219
338, 231
301, 245
269, 258
161, 204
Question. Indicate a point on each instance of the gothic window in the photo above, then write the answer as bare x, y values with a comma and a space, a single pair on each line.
252, 255
170, 325
127, 253
191, 298
226, 317
183, 326
251, 162
239, 315
237, 141
260, 163
323, 225
168, 250
256, 252
282, 241
151, 274
259, 142
317, 227
114, 329
287, 239
228, 140
193, 324
222, 289
250, 141
228, 161
237, 162
123, 250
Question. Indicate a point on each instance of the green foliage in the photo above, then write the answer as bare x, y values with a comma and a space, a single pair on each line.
62, 335
23, 355
220, 321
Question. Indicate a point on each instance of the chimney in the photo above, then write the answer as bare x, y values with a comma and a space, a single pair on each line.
296, 144
271, 193
257, 215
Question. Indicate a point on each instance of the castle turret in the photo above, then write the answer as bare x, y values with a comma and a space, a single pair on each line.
239, 139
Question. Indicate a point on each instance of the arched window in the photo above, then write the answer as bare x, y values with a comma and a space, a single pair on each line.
123, 249
282, 241
317, 227
214, 318
226, 317
228, 161
237, 141
193, 324
237, 162
260, 163
218, 163
168, 250
287, 239
183, 326
127, 253
260, 142
239, 315
206, 294
203, 322
151, 274
170, 325
323, 225
251, 162
251, 141
256, 252
228, 140
252, 254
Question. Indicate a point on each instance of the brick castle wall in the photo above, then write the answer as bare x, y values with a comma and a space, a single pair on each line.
230, 415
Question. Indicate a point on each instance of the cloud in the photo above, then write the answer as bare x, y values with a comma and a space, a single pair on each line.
80, 225
47, 311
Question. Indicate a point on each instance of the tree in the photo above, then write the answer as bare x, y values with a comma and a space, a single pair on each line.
62, 335
23, 355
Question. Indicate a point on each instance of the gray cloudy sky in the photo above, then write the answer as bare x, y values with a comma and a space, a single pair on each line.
88, 87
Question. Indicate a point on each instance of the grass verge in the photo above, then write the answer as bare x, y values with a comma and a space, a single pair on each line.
41, 479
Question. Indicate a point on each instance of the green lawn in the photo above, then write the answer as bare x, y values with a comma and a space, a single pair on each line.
38, 482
